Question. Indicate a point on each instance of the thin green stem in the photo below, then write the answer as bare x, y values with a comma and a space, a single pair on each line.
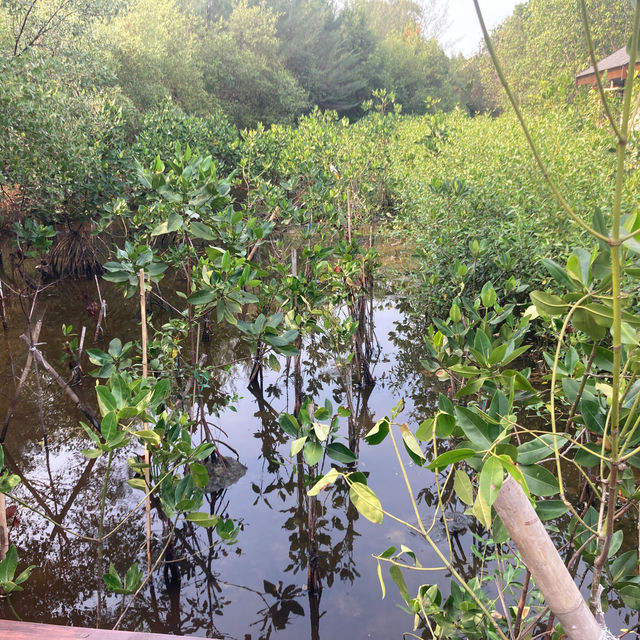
616, 275
525, 129
437, 551
592, 56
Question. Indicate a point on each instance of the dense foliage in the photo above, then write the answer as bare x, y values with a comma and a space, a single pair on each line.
125, 155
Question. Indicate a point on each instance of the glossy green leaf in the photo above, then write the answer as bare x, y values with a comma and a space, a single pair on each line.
202, 519
289, 424
491, 480
541, 481
109, 426
312, 452
450, 457
539, 448
339, 452
474, 427
398, 578
378, 432
548, 304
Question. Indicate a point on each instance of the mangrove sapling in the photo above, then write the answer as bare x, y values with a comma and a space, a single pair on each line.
314, 441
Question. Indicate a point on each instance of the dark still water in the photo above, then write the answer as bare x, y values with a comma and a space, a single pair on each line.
255, 588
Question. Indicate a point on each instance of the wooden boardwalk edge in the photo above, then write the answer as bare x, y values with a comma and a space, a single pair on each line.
13, 630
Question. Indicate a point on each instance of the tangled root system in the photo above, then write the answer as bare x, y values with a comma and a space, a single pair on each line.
75, 254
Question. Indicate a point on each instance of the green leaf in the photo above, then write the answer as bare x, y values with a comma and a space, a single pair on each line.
203, 519
172, 223
201, 231
120, 390
366, 502
106, 402
324, 482
109, 426
200, 475
540, 481
490, 480
337, 451
289, 424
624, 565
450, 457
378, 432
204, 296
548, 304
161, 391
585, 457
132, 578
558, 274
398, 578
312, 452
137, 483
474, 427
538, 448
92, 453
462, 486
90, 432
9, 565
112, 580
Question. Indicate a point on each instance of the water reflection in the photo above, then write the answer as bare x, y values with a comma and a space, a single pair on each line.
257, 588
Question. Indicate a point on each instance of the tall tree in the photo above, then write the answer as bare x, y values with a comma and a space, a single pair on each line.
244, 71
542, 46
153, 49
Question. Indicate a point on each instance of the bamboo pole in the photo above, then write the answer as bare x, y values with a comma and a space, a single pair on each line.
4, 531
544, 562
145, 374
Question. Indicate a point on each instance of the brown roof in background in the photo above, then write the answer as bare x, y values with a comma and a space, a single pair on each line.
617, 59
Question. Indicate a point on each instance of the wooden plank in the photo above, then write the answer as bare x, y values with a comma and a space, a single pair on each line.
12, 630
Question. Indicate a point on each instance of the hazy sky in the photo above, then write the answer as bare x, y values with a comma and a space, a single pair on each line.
464, 35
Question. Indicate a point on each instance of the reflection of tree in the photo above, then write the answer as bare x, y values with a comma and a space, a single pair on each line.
191, 598
407, 376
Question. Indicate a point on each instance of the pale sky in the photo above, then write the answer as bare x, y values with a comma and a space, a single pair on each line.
463, 34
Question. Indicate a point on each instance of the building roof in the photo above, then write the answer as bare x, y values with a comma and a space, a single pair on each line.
619, 58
